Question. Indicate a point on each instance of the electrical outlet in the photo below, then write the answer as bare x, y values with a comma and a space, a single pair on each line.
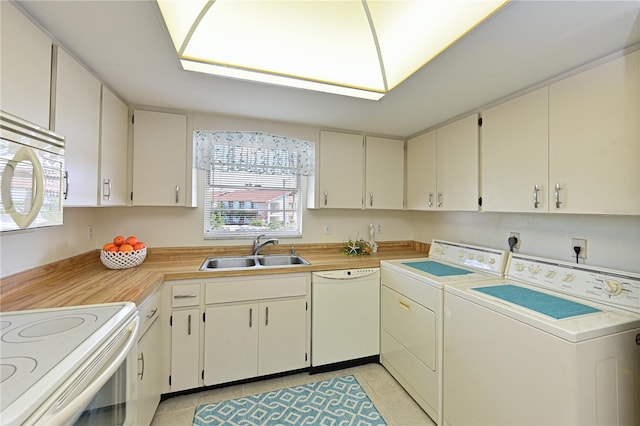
517, 235
579, 242
89, 232
326, 228
378, 229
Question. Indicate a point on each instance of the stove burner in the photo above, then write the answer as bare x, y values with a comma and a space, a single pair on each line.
15, 368
47, 328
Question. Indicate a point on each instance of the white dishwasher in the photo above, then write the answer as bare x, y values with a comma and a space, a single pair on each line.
345, 317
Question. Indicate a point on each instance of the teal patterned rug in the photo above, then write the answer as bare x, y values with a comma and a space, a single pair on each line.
339, 401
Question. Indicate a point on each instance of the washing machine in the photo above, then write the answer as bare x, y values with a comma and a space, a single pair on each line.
553, 343
411, 313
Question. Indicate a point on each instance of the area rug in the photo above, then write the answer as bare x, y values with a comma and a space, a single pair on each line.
339, 401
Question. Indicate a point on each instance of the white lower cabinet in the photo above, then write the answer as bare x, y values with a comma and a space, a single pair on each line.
242, 327
254, 339
149, 360
149, 373
255, 326
185, 336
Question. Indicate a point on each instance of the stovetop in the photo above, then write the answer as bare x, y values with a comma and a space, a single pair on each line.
35, 343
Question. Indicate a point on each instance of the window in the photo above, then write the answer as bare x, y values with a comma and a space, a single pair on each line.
253, 183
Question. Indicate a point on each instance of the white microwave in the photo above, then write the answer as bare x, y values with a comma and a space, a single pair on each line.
32, 174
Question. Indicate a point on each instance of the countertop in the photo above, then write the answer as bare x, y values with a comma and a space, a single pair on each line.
83, 279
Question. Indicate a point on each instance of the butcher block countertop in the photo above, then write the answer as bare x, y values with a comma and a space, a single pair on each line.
83, 279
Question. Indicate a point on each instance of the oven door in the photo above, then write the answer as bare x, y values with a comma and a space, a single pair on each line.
102, 391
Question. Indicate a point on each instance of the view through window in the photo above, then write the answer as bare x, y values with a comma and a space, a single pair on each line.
253, 184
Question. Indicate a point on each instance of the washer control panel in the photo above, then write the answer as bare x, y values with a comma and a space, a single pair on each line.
616, 288
474, 257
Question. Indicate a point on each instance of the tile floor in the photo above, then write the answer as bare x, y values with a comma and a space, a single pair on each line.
393, 403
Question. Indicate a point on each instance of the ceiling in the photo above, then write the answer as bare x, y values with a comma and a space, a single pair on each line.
127, 46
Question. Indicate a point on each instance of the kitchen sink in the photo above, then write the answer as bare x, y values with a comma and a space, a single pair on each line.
249, 262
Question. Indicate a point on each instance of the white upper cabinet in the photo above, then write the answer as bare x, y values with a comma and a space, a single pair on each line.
421, 172
77, 117
159, 159
25, 67
457, 165
113, 151
384, 173
514, 153
341, 170
594, 140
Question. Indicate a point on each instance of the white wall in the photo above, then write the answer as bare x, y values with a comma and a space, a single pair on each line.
22, 250
612, 241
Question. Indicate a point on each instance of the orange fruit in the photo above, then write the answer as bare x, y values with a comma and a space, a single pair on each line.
139, 245
132, 240
119, 240
126, 247
109, 247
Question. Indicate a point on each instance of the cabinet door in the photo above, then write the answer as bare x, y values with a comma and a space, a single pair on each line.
594, 143
384, 171
185, 348
25, 67
421, 172
159, 159
77, 117
113, 150
282, 338
341, 170
149, 373
457, 168
231, 343
514, 154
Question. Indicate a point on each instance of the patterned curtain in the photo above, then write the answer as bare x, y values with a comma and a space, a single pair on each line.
252, 152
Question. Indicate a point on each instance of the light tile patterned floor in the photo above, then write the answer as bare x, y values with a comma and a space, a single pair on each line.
395, 405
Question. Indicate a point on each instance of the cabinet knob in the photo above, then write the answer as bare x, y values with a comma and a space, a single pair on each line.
536, 191
177, 194
439, 199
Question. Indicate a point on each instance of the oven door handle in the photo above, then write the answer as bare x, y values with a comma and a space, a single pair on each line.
83, 387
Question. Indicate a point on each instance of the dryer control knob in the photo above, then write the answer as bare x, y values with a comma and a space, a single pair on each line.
519, 267
612, 287
551, 274
492, 261
480, 258
568, 278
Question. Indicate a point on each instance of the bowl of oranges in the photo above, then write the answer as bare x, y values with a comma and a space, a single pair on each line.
123, 253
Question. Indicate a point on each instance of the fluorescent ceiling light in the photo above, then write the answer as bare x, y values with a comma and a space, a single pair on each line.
355, 48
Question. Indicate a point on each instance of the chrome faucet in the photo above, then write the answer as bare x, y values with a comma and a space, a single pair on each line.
257, 246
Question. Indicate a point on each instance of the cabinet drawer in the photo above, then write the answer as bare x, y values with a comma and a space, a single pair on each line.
148, 312
259, 287
185, 295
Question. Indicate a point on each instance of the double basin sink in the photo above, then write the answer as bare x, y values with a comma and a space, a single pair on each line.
250, 262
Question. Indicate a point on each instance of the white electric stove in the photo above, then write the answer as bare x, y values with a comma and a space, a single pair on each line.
552, 343
49, 356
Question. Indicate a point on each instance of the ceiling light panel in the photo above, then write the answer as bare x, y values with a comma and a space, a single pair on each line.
356, 46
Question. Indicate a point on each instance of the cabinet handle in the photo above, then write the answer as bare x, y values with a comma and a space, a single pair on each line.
536, 191
106, 189
325, 197
141, 373
371, 199
177, 194
266, 316
404, 305
250, 317
152, 313
189, 325
185, 296
66, 185
439, 199
557, 194
431, 199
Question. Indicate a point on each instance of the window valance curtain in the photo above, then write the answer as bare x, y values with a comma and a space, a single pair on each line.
254, 152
